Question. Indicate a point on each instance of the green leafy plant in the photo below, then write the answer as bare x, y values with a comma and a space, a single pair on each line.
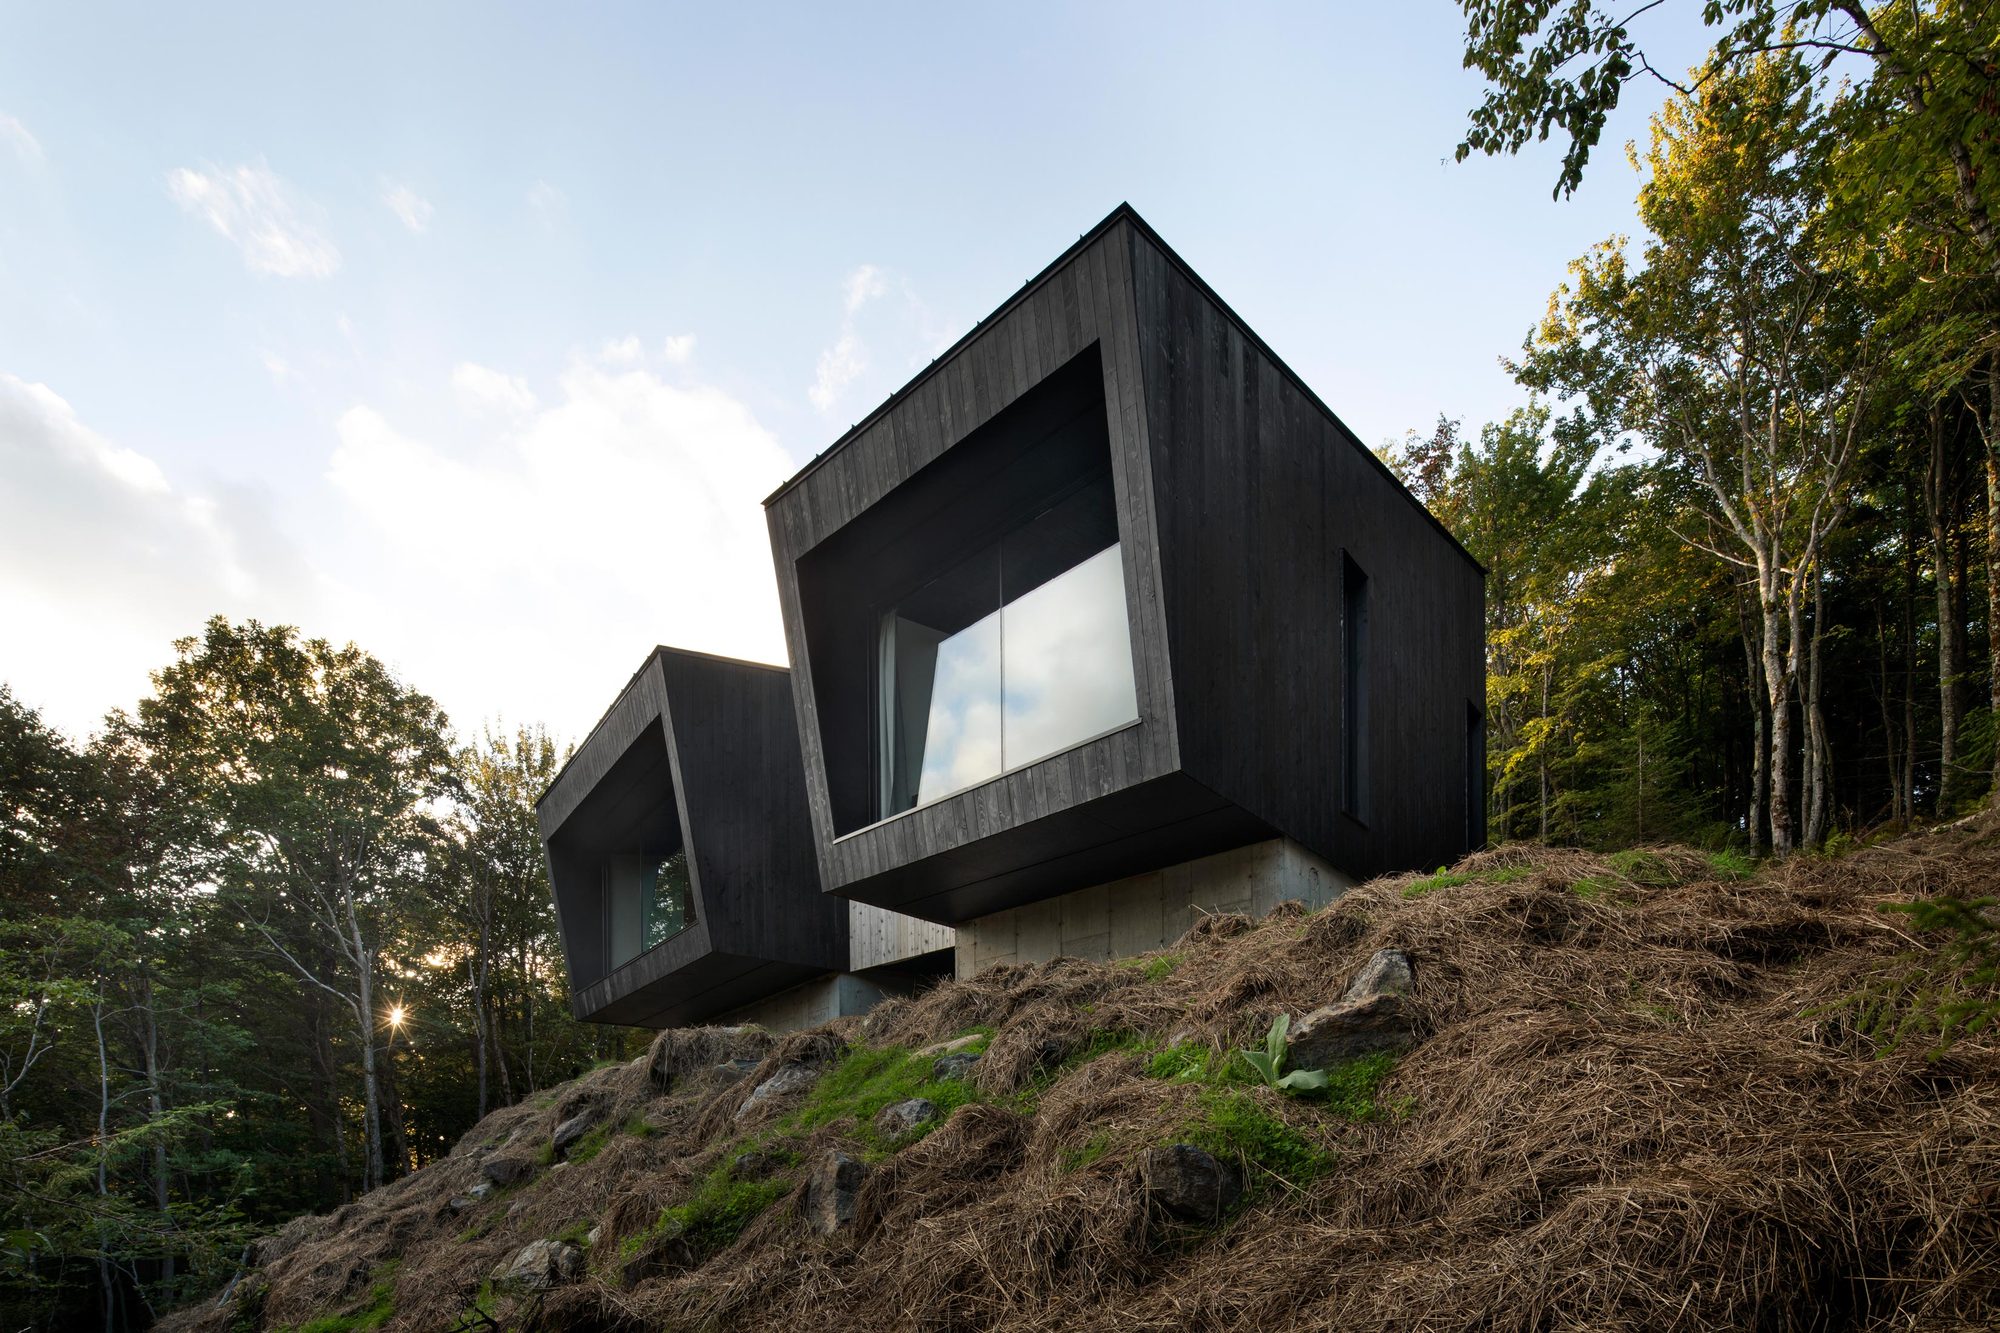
1945, 994
1270, 1062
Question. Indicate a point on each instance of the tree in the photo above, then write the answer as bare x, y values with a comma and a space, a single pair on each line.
317, 774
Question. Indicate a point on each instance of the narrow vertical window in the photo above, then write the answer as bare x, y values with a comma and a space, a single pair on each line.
1354, 689
1475, 777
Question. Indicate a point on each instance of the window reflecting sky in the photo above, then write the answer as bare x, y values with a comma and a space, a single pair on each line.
1049, 670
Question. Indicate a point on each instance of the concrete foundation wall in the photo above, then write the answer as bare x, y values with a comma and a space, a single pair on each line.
1149, 911
817, 1001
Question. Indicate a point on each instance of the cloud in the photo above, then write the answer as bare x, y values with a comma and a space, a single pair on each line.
16, 136
843, 363
678, 349
626, 351
864, 285
550, 204
481, 390
104, 560
537, 563
259, 213
276, 366
885, 333
412, 208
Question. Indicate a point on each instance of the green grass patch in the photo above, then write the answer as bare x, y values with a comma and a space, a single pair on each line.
1157, 968
376, 1311
1235, 1125
1075, 1159
867, 1080
1352, 1086
1504, 874
1592, 888
1197, 1062
1642, 868
590, 1144
714, 1215
1731, 864
576, 1233
1443, 879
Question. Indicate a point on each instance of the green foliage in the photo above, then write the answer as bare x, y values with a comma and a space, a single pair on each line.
1234, 1124
1945, 994
1091, 1150
1643, 868
1196, 1062
591, 1144
866, 1080
1270, 1061
714, 1215
1161, 966
1731, 865
1443, 879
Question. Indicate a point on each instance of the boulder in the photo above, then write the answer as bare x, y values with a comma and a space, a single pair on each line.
481, 1191
899, 1119
500, 1172
734, 1071
1350, 1028
789, 1079
752, 1165
539, 1265
571, 1131
1387, 972
461, 1203
1189, 1183
829, 1202
594, 1235
956, 1065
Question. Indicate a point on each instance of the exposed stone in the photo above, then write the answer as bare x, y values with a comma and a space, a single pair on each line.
463, 1202
516, 1208
501, 1172
1350, 1028
951, 1047
829, 1203
752, 1165
956, 1065
571, 1131
481, 1191
541, 1264
899, 1119
788, 1079
1189, 1183
594, 1235
734, 1071
1387, 972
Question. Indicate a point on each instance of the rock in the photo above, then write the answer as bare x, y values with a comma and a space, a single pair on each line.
829, 1203
594, 1235
481, 1191
899, 1119
1190, 1183
664, 1250
501, 1172
956, 1065
1387, 972
951, 1047
788, 1079
1350, 1028
734, 1071
571, 1131
751, 1165
541, 1264
461, 1203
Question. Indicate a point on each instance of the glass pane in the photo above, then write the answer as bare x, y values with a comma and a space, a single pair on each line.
624, 906
668, 896
1067, 660
962, 731
941, 685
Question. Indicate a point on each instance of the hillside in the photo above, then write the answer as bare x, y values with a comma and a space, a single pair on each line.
1631, 1101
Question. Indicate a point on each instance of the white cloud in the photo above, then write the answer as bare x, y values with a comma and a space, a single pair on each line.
626, 351
104, 561
481, 390
550, 204
536, 565
260, 214
678, 349
25, 145
844, 362
412, 208
276, 366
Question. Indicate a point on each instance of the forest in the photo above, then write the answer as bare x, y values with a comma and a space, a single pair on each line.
278, 933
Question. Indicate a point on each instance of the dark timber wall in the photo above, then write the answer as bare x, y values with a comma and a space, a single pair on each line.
711, 744
1238, 493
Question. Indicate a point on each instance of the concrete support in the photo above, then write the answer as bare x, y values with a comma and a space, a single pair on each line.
1150, 911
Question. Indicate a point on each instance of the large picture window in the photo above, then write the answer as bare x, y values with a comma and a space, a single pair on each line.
651, 901
1018, 651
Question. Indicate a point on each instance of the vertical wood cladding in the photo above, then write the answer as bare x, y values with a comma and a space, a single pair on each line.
1268, 495
1239, 497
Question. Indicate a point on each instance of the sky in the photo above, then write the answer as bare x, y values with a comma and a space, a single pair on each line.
476, 334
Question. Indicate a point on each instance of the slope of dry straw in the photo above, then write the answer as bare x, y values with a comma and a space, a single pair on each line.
1636, 1104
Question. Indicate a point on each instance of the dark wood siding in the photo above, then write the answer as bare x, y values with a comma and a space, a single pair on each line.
1267, 494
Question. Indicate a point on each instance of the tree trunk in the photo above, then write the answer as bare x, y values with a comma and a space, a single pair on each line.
104, 1282
371, 1093
1940, 503
157, 1106
1760, 750
1990, 432
1777, 688
1818, 750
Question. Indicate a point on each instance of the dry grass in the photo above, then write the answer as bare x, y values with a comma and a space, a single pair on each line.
1636, 1105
